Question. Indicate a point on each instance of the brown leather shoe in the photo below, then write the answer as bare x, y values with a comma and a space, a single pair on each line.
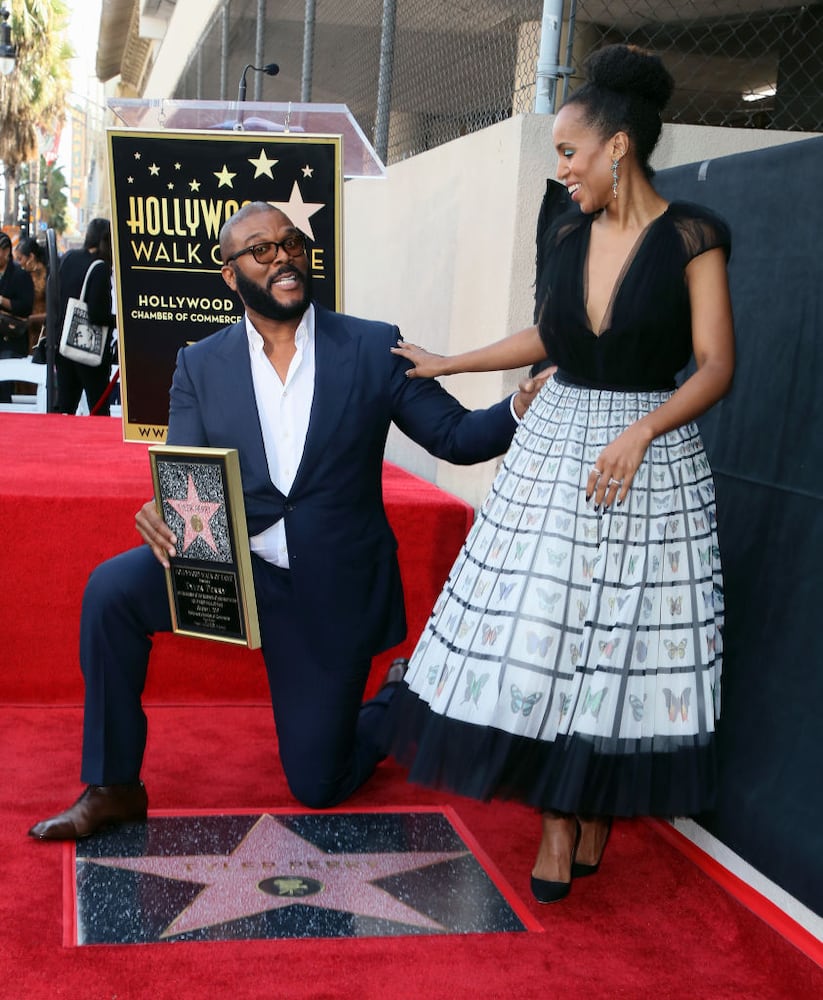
397, 671
98, 807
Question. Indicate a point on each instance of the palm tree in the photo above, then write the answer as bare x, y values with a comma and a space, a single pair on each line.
51, 189
32, 96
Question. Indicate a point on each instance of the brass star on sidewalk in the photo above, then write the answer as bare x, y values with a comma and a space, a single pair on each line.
273, 868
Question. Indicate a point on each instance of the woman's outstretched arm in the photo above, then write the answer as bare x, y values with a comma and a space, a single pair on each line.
520, 349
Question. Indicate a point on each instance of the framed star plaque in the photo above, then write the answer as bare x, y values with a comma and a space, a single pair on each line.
211, 588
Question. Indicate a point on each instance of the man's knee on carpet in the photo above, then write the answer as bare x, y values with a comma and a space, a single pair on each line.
323, 784
317, 796
326, 782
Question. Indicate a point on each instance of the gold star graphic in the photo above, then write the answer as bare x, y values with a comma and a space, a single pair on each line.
194, 185
224, 177
299, 211
263, 165
154, 170
308, 171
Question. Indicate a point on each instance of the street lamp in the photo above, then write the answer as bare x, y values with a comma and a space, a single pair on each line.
8, 51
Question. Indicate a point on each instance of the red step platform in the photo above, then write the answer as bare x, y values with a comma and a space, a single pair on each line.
69, 489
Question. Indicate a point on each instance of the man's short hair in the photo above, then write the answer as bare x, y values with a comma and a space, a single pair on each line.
250, 208
5, 241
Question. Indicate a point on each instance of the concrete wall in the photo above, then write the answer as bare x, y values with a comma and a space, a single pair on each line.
444, 247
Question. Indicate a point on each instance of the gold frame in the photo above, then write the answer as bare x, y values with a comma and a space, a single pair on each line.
209, 598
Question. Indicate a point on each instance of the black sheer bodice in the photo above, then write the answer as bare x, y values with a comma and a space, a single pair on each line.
646, 336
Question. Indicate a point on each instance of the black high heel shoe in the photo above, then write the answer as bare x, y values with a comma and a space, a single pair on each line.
580, 869
546, 891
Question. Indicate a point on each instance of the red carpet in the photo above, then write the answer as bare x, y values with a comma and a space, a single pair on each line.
650, 924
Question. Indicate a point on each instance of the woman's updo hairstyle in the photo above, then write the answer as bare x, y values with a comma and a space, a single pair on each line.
626, 89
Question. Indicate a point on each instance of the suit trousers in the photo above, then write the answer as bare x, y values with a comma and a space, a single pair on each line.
326, 735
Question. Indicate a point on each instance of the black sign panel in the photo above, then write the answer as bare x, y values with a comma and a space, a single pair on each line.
171, 193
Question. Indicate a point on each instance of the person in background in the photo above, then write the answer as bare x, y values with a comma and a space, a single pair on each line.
16, 299
573, 658
32, 258
72, 377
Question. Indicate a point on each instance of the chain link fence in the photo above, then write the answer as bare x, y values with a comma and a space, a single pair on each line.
418, 73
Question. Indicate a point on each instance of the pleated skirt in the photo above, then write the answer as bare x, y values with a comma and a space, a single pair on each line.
573, 658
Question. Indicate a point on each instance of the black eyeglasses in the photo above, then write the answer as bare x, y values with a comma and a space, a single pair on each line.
264, 253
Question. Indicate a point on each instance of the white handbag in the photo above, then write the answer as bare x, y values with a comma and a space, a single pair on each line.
81, 340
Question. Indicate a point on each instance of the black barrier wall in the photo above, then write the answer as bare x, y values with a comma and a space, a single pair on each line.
765, 443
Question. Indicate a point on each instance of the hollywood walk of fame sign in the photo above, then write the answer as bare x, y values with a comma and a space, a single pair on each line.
288, 875
171, 193
210, 583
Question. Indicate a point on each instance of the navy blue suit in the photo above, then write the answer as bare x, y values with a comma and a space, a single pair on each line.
340, 602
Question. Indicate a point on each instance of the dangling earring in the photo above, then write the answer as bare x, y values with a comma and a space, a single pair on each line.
615, 161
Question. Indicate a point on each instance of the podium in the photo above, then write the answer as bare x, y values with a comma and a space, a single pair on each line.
178, 171
359, 157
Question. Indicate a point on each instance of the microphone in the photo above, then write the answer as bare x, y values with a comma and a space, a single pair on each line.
270, 69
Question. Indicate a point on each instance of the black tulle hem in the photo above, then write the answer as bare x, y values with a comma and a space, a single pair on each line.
569, 776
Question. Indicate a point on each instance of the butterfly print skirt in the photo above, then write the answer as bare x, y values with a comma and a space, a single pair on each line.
573, 657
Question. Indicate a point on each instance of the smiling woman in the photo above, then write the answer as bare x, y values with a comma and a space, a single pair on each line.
573, 658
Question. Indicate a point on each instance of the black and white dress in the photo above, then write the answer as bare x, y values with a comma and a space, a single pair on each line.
573, 657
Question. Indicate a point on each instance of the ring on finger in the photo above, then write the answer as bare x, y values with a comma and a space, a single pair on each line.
615, 482
596, 471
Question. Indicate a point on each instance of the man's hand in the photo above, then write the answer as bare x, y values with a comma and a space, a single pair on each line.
155, 533
529, 388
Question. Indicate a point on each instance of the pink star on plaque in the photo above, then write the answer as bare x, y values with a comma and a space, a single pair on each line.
273, 867
196, 514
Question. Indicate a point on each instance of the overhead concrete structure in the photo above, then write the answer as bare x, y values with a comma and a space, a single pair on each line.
740, 63
130, 33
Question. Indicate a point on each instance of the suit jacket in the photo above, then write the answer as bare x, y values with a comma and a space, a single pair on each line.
342, 552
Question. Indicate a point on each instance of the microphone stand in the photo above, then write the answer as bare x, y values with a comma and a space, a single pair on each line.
270, 69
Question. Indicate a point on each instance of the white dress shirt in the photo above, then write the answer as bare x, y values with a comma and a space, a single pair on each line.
284, 409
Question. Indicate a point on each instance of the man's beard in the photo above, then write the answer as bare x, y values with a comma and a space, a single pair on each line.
261, 301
